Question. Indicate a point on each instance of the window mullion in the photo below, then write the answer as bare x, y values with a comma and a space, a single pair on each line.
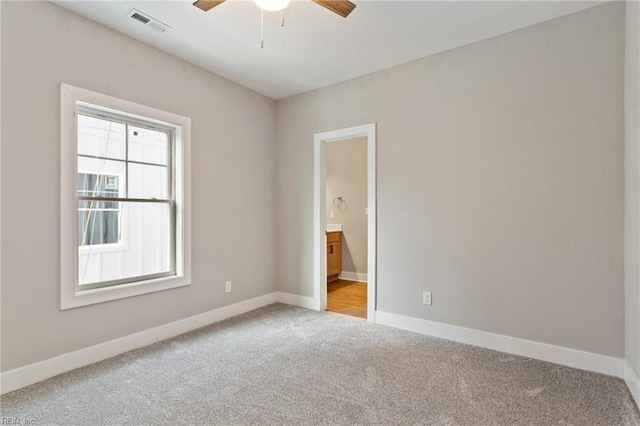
125, 200
126, 160
99, 157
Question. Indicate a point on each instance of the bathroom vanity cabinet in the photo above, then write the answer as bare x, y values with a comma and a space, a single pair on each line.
334, 255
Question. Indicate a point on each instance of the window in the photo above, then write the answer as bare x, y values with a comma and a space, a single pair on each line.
113, 148
124, 199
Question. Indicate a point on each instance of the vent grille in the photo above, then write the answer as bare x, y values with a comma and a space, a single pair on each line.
140, 18
148, 21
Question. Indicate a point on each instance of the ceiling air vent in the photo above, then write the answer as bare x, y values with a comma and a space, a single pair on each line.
140, 18
148, 21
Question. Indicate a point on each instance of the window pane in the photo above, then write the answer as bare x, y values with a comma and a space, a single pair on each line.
145, 246
101, 138
98, 223
147, 146
100, 178
148, 181
93, 185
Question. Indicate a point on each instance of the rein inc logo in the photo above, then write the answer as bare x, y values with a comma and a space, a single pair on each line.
17, 421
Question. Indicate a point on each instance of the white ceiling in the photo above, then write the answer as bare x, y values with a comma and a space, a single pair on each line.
316, 48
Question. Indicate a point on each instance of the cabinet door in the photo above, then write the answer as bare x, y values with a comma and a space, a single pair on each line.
334, 237
333, 260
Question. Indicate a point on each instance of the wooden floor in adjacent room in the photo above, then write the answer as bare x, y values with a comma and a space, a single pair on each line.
347, 297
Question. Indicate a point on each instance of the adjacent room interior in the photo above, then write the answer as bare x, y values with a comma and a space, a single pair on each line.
346, 224
178, 214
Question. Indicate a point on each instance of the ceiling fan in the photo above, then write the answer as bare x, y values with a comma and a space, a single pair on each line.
341, 7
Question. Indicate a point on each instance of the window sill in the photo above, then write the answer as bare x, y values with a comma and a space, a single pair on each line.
78, 298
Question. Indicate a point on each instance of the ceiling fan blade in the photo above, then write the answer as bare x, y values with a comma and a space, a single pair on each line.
341, 7
207, 4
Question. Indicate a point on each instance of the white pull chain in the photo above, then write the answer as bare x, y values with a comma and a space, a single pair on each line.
262, 26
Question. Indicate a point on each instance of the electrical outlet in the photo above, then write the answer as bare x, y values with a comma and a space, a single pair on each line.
426, 297
332, 215
227, 287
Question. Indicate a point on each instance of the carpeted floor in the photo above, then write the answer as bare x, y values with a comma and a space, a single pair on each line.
282, 365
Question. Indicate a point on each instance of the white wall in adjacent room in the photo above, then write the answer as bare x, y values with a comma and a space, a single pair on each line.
346, 176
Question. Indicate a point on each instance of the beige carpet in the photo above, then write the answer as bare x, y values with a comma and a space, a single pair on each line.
282, 365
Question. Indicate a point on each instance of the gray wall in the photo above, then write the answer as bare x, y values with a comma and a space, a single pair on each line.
500, 182
347, 177
632, 186
233, 145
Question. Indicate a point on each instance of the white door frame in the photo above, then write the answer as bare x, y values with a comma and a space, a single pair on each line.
320, 140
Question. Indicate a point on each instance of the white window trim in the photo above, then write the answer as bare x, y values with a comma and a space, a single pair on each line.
69, 296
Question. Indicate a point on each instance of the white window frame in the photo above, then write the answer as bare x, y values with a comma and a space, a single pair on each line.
70, 295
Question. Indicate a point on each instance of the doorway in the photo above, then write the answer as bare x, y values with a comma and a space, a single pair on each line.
321, 250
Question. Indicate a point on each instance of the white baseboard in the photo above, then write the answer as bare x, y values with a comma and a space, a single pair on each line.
295, 300
632, 381
557, 354
30, 374
24, 376
353, 276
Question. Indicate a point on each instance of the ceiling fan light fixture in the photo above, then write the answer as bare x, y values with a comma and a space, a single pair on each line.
272, 5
